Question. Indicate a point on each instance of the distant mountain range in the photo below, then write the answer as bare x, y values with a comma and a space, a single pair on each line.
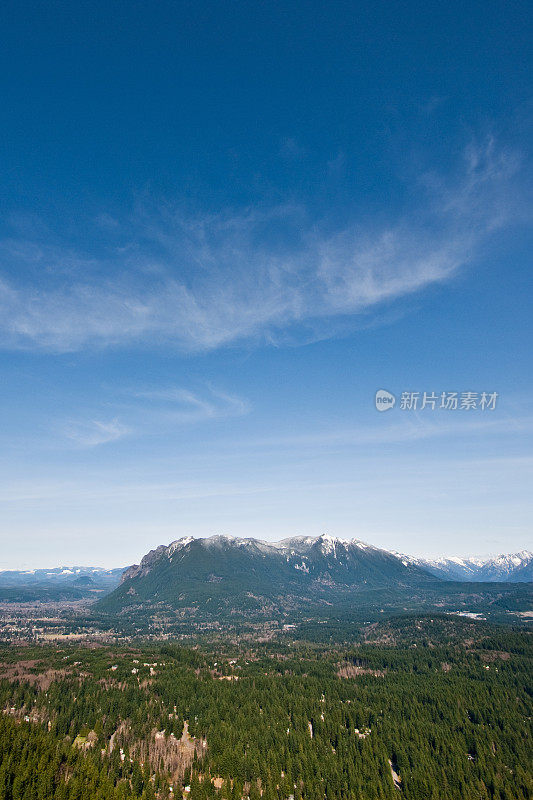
223, 573
94, 577
513, 567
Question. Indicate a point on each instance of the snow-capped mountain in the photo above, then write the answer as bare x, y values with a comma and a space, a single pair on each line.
513, 567
323, 558
223, 574
239, 572
61, 576
305, 553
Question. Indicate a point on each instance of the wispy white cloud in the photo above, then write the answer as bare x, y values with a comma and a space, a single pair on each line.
407, 430
182, 406
202, 282
150, 410
95, 432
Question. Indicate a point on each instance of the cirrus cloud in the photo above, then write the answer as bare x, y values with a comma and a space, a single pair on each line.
202, 282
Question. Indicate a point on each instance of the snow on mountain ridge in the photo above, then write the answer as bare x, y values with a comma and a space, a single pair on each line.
298, 550
329, 543
501, 567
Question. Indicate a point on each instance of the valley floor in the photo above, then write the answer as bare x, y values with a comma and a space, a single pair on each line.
423, 708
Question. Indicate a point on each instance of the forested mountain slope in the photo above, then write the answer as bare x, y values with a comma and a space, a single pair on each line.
222, 573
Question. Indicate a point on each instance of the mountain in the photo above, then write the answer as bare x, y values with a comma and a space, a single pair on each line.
513, 567
247, 576
243, 575
96, 577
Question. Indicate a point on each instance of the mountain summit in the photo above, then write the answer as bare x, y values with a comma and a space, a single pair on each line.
224, 573
508, 567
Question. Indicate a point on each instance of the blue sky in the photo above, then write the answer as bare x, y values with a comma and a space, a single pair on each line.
223, 227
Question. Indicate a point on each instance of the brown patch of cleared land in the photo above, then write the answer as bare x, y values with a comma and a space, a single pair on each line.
354, 670
24, 671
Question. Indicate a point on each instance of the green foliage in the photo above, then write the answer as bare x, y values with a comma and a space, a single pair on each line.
451, 713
